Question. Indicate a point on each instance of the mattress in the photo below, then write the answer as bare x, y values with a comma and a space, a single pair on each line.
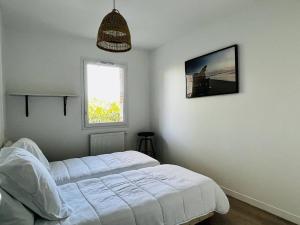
161, 195
76, 169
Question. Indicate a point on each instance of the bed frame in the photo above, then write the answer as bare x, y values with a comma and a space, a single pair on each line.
199, 219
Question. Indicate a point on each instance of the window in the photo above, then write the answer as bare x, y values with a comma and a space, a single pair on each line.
104, 89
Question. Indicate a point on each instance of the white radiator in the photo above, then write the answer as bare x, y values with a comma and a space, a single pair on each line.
107, 143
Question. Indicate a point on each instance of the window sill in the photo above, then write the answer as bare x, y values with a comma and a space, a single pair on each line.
107, 127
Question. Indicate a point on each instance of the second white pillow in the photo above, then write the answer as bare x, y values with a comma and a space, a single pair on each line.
30, 146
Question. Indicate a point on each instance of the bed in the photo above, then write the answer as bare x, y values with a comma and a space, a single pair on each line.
160, 195
76, 169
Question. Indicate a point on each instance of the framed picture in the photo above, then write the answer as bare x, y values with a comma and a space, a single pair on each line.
215, 73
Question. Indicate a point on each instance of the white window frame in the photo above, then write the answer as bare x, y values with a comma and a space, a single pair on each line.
85, 123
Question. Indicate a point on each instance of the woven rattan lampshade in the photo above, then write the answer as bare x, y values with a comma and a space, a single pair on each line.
113, 34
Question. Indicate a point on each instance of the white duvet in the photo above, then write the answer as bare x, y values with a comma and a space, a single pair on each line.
161, 195
76, 169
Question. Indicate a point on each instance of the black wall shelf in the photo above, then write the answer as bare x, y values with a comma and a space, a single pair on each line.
27, 95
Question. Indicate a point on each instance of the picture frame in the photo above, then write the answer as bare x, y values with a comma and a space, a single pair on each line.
215, 73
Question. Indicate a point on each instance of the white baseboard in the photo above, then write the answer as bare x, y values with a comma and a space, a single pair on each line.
262, 205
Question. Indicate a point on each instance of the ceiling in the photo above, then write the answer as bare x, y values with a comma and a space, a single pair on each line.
152, 22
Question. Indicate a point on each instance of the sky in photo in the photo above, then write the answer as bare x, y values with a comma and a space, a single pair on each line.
217, 61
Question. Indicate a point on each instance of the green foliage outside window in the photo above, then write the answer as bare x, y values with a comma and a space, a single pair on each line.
104, 112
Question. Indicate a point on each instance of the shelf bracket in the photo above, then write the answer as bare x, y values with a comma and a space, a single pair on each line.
65, 105
26, 106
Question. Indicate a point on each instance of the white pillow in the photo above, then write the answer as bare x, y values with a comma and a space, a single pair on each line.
33, 148
27, 180
12, 212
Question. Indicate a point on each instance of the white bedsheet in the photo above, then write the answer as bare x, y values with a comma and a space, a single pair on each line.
76, 169
161, 195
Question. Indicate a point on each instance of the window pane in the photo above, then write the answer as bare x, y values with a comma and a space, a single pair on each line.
105, 93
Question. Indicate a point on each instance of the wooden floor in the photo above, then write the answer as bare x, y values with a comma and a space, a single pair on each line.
243, 214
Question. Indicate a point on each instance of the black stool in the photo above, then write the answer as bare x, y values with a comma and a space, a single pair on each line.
146, 138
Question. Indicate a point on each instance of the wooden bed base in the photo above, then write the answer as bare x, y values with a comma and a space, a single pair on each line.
198, 220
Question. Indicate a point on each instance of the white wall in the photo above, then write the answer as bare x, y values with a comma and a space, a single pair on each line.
2, 90
52, 63
247, 142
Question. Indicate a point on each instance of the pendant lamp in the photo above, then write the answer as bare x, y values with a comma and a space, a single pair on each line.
114, 34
